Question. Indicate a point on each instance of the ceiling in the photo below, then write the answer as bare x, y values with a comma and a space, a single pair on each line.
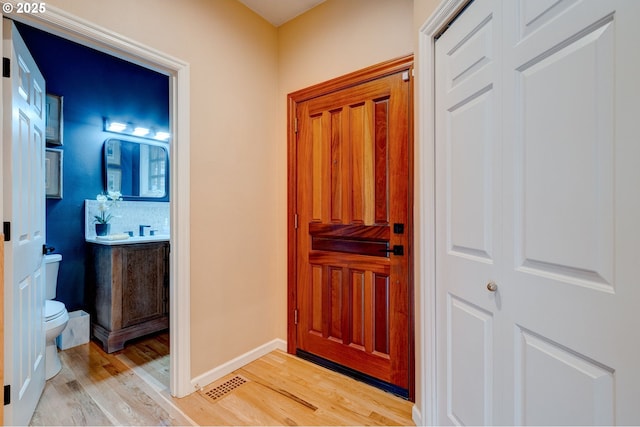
277, 12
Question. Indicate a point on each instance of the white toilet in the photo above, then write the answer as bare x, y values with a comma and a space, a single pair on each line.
56, 316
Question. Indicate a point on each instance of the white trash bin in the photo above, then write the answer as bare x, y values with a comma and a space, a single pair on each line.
76, 332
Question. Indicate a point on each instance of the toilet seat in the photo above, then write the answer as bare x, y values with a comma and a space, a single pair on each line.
53, 310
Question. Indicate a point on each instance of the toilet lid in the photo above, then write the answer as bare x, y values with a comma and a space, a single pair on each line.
52, 309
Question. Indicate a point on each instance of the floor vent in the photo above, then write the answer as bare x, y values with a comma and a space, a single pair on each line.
226, 387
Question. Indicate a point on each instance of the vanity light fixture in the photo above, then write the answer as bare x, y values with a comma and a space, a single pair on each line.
115, 126
134, 130
140, 131
162, 136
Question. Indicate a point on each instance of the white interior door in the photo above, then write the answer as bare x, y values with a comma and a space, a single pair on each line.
468, 216
24, 206
536, 190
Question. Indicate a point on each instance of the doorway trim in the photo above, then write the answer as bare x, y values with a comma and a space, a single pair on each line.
447, 10
60, 23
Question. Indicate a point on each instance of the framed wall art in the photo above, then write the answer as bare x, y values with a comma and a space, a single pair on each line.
54, 119
53, 173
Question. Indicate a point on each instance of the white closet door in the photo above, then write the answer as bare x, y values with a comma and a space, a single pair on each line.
537, 190
468, 223
571, 210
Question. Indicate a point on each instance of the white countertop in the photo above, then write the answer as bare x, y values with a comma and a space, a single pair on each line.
129, 240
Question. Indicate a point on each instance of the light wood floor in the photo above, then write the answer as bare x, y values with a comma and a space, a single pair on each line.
130, 387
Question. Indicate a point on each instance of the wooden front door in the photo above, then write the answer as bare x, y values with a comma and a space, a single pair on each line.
350, 241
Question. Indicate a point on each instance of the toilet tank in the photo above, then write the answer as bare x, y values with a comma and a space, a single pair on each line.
51, 265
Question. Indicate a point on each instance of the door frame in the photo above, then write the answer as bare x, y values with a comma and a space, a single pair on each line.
425, 412
60, 23
352, 79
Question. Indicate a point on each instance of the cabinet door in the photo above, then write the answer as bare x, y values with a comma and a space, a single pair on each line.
143, 282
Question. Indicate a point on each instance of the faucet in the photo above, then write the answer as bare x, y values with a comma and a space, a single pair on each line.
142, 229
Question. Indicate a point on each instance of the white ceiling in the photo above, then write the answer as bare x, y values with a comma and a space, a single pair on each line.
280, 11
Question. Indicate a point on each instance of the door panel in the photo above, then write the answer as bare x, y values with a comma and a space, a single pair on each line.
589, 385
468, 214
470, 207
534, 195
24, 207
470, 361
566, 98
565, 212
143, 273
353, 172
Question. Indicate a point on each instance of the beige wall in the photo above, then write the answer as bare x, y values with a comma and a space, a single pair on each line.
233, 63
341, 36
333, 39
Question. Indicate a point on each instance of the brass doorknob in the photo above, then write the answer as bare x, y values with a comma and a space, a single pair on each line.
492, 287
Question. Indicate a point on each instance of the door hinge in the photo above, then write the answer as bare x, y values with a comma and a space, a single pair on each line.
295, 316
405, 76
295, 125
295, 221
6, 67
7, 395
6, 229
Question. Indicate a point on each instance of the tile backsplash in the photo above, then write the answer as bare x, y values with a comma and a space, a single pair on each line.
128, 216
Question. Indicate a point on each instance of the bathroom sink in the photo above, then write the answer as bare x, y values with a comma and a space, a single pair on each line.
115, 240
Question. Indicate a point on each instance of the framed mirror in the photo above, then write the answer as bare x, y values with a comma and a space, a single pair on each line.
138, 170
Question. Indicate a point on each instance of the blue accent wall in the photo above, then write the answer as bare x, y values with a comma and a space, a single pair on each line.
94, 85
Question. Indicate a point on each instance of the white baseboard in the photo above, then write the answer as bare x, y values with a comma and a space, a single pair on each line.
240, 361
416, 416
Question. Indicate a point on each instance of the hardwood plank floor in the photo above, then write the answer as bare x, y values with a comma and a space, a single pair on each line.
130, 387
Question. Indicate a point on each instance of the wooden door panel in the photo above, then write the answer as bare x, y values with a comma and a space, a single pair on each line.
352, 184
342, 300
357, 239
349, 163
341, 292
350, 317
142, 283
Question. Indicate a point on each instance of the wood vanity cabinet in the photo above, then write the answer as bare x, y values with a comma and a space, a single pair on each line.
130, 291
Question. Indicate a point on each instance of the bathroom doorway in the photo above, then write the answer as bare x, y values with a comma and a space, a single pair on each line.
81, 32
96, 91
